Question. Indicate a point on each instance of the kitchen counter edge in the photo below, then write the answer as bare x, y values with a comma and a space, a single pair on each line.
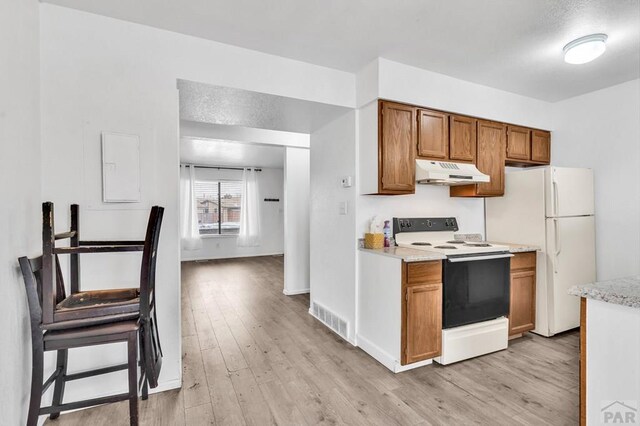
405, 254
620, 291
518, 248
411, 255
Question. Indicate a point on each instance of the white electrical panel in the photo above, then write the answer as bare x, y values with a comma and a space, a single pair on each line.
120, 168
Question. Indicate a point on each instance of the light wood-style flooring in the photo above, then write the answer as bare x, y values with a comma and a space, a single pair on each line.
254, 356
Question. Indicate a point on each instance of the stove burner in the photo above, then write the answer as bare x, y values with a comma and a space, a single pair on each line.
420, 243
455, 242
478, 244
445, 247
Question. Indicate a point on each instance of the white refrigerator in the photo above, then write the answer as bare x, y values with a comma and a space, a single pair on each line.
552, 208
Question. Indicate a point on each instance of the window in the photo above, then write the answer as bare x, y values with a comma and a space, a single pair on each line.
218, 206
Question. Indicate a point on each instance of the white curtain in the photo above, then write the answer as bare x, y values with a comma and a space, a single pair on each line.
249, 211
189, 232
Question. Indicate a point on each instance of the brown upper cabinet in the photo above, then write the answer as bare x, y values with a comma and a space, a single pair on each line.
397, 140
462, 138
518, 143
491, 141
527, 146
407, 132
541, 146
433, 135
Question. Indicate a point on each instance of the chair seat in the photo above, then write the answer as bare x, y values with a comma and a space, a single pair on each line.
94, 307
97, 298
86, 335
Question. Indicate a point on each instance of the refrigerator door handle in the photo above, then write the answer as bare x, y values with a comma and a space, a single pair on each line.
555, 198
557, 244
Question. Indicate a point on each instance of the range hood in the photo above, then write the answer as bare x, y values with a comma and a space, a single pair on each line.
445, 173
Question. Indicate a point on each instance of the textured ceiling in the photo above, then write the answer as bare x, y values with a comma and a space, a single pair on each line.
230, 153
223, 105
514, 45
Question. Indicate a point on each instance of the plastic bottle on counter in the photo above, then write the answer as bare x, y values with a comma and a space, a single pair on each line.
387, 234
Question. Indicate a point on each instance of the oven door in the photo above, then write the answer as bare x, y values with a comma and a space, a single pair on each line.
476, 288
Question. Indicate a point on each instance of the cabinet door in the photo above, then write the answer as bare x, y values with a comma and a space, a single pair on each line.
522, 312
541, 146
433, 135
491, 156
397, 148
518, 143
462, 139
423, 322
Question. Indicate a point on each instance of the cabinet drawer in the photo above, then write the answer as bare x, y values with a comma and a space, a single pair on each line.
424, 272
523, 260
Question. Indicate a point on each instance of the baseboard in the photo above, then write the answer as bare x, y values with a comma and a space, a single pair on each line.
385, 358
200, 259
295, 292
167, 386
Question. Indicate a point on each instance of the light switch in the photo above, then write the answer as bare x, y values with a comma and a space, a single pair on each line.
343, 208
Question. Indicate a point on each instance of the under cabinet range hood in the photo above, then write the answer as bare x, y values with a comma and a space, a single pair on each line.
445, 173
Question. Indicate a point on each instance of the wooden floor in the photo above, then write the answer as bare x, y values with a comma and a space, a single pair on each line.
254, 356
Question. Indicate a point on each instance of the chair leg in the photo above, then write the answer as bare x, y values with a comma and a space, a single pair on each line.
58, 390
37, 361
145, 389
132, 349
143, 371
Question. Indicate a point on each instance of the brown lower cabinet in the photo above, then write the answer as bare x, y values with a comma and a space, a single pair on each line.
421, 311
522, 310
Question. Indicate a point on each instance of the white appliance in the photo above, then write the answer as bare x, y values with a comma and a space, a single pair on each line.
552, 208
475, 286
446, 173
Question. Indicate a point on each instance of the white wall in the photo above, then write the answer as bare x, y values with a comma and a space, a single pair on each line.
426, 88
296, 220
99, 74
20, 209
333, 236
601, 130
270, 185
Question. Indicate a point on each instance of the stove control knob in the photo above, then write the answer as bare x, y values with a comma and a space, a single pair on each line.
409, 224
429, 224
446, 222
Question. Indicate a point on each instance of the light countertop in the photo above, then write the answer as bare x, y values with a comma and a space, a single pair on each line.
621, 291
412, 255
519, 248
406, 254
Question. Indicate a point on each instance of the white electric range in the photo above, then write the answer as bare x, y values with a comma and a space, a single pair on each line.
475, 290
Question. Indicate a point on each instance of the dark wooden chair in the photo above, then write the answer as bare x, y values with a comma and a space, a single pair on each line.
61, 340
84, 330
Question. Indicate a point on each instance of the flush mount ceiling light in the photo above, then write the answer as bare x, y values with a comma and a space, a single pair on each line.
585, 49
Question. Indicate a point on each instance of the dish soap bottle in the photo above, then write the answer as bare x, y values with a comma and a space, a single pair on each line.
387, 234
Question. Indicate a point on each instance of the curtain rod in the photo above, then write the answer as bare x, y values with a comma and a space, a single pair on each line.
203, 166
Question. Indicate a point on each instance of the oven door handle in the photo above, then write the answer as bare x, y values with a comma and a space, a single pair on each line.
472, 258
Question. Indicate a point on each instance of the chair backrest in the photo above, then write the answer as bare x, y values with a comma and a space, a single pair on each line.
149, 257
150, 340
32, 275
